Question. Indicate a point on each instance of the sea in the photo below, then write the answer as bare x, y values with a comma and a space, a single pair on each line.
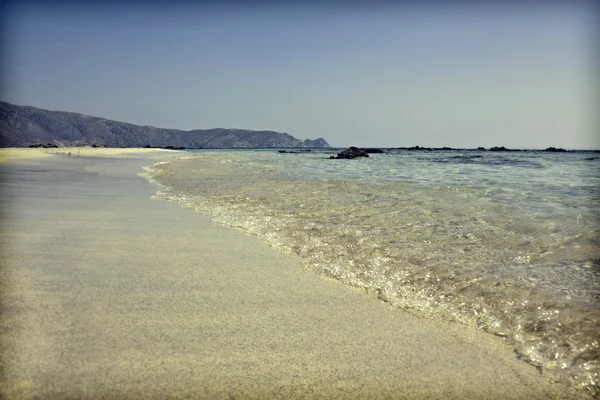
508, 242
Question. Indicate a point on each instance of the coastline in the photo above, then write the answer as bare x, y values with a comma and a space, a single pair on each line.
18, 153
108, 292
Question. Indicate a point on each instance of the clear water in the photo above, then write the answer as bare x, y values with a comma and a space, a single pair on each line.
509, 242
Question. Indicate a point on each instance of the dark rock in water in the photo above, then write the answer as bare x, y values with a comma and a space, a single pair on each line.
419, 148
555, 150
445, 148
481, 148
372, 150
295, 151
495, 148
351, 153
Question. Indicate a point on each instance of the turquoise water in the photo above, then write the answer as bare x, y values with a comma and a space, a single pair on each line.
508, 242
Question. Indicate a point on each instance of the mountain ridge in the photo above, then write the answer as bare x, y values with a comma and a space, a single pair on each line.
23, 126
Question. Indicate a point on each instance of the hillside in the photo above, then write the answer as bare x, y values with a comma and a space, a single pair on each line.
22, 126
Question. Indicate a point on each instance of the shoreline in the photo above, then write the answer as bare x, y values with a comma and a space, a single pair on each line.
108, 292
18, 153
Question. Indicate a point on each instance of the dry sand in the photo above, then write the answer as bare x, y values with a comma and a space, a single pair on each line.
109, 294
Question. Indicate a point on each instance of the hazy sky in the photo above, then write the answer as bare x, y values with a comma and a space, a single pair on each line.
460, 75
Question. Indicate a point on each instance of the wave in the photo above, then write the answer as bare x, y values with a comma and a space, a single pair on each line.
436, 251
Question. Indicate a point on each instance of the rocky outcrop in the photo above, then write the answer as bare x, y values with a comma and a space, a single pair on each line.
351, 153
42, 146
372, 150
502, 148
22, 126
427, 148
415, 148
295, 151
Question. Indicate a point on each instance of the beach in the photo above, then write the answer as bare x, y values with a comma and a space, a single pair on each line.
107, 293
18, 153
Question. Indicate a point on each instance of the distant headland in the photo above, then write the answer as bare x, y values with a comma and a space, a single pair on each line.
24, 126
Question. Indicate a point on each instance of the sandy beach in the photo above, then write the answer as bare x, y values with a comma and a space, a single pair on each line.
18, 153
106, 293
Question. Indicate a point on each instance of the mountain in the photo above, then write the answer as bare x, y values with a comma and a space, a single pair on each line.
22, 126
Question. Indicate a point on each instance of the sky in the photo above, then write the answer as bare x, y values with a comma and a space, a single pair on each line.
367, 74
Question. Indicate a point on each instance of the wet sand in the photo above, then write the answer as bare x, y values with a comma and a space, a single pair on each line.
106, 293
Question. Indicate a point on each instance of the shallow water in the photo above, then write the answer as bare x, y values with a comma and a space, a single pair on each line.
508, 242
